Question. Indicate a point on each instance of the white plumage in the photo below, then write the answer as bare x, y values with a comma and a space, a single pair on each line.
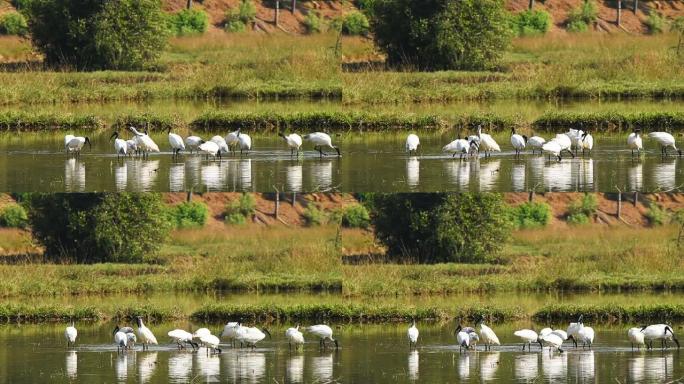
120, 339
221, 143
488, 336
487, 143
636, 337
320, 140
230, 330
552, 148
145, 334
209, 148
412, 143
553, 341
75, 143
573, 330
460, 147
666, 141
144, 142
586, 336
561, 333
120, 145
176, 142
70, 334
536, 142
462, 338
294, 336
294, 141
244, 142
662, 332
181, 337
211, 342
528, 337
412, 334
634, 141
587, 142
250, 335
192, 142
324, 333
232, 139
518, 142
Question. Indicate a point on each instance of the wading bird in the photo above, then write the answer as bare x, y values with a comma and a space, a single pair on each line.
487, 335
209, 148
518, 142
70, 334
182, 337
251, 335
120, 145
536, 142
230, 331
487, 143
120, 339
587, 142
412, 143
176, 142
232, 140
553, 341
666, 141
461, 147
320, 140
75, 144
636, 337
634, 142
244, 142
192, 142
662, 332
324, 334
146, 336
294, 336
144, 142
211, 343
294, 141
528, 337
412, 335
573, 330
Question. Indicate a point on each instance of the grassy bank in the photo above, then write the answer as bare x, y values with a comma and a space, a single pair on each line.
345, 313
343, 121
571, 259
232, 66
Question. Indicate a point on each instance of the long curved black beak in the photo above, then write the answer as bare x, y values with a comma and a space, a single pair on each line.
541, 346
87, 140
267, 332
337, 345
457, 329
114, 135
116, 329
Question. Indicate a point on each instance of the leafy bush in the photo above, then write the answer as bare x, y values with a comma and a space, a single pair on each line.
657, 216
238, 211
313, 216
189, 22
529, 23
13, 216
98, 227
531, 215
655, 23
237, 19
123, 34
13, 23
580, 18
190, 214
436, 228
366, 6
312, 23
20, 4
443, 34
355, 216
581, 211
355, 23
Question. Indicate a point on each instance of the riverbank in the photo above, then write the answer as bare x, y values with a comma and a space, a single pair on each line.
269, 122
345, 313
219, 66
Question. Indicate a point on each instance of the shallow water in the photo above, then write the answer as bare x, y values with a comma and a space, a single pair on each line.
368, 163
368, 353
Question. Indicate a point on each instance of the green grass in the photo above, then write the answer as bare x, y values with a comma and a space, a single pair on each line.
611, 313
230, 66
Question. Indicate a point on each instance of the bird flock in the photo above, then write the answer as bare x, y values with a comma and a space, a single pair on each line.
125, 338
571, 143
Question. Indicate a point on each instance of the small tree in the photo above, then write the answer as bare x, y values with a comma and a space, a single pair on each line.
442, 34
678, 27
434, 228
94, 34
92, 228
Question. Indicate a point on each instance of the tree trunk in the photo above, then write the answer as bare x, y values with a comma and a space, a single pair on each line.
619, 205
294, 6
531, 4
619, 11
189, 5
636, 5
277, 12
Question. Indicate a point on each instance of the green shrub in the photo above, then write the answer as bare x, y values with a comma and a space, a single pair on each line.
579, 19
531, 215
189, 22
313, 216
13, 23
529, 23
366, 6
313, 23
440, 227
13, 216
237, 19
657, 216
355, 23
442, 35
98, 227
235, 26
238, 211
581, 211
355, 216
123, 34
655, 23
20, 4
190, 214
